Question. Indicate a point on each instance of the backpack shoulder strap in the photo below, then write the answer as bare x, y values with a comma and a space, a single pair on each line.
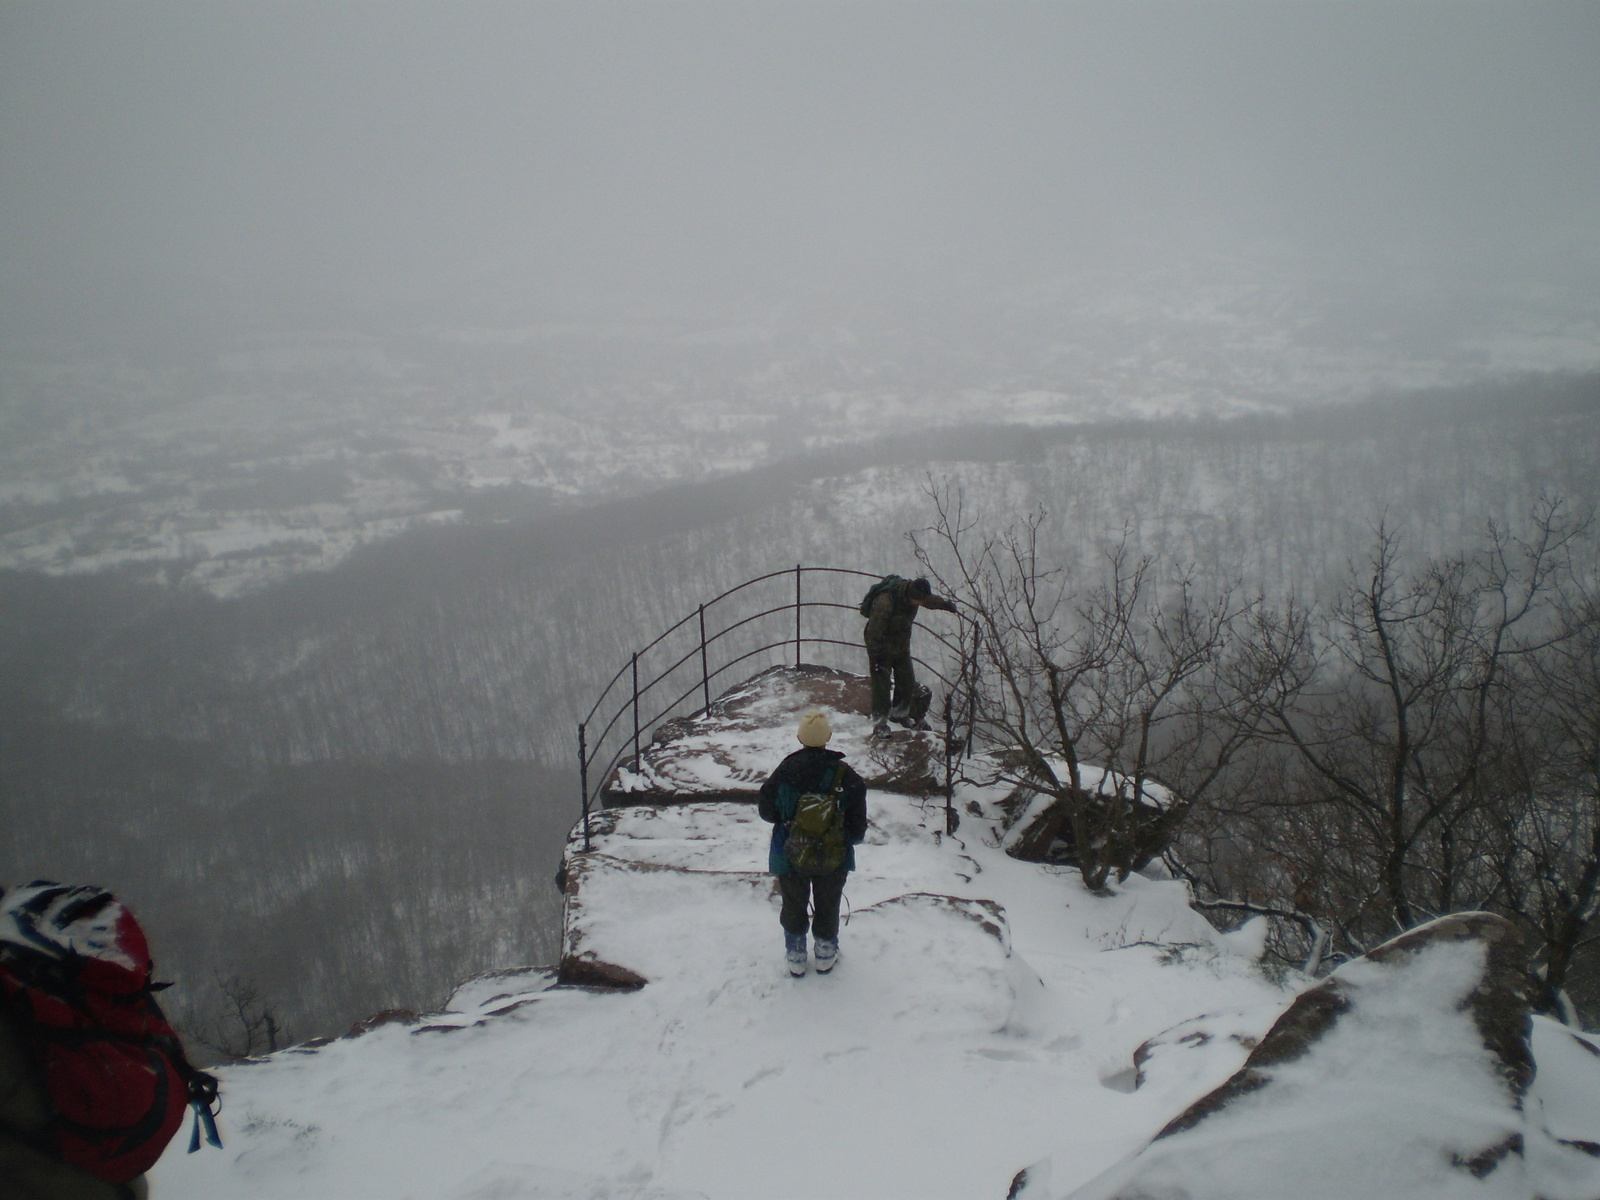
876, 590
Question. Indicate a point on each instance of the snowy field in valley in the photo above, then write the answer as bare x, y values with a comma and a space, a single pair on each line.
284, 451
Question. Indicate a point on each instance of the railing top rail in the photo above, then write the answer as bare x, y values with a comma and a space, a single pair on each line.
604, 692
785, 573
668, 632
645, 687
672, 629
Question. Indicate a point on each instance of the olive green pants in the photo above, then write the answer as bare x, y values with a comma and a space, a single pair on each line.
890, 667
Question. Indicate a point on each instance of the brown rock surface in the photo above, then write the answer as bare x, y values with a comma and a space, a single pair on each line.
727, 751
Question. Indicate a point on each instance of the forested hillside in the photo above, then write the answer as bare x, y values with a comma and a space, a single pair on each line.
348, 790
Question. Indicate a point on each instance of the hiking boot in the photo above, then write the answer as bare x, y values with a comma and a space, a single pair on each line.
794, 946
881, 729
827, 952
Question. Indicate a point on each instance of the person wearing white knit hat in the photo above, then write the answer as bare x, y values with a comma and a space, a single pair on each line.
818, 808
814, 729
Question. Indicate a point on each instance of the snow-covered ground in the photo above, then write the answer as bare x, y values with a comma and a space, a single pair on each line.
1400, 1096
987, 1016
983, 1018
729, 750
937, 1060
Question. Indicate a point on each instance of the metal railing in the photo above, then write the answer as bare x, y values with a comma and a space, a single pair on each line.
688, 652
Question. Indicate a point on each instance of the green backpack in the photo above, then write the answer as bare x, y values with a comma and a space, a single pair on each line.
883, 585
816, 843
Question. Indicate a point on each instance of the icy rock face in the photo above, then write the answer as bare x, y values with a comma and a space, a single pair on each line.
1404, 1073
581, 965
1498, 1005
388, 1016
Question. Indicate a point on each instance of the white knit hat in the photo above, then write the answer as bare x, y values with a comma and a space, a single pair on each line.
814, 728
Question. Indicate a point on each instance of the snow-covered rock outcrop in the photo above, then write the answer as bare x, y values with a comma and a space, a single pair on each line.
726, 752
1038, 824
1409, 1072
986, 1014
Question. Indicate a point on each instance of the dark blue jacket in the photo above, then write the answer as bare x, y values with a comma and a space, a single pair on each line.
810, 769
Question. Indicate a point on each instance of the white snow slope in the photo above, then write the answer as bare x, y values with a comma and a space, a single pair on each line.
950, 1048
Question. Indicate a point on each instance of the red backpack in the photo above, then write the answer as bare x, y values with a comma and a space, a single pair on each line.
75, 982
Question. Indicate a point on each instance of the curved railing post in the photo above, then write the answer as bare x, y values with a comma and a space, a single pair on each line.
951, 820
636, 705
583, 780
705, 667
797, 614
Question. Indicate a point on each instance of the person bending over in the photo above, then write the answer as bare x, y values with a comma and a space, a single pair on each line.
890, 607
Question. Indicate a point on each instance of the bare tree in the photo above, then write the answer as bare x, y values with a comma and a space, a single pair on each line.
1541, 815
1126, 702
249, 1025
1431, 744
1394, 706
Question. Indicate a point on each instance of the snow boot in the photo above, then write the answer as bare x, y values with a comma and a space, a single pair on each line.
881, 729
794, 945
827, 951
913, 714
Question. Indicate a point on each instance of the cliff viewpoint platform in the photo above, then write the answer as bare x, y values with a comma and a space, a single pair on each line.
728, 750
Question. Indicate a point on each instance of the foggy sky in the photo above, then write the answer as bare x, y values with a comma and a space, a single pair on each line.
157, 157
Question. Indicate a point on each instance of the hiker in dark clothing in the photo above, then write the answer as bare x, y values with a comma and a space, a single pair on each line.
891, 610
813, 770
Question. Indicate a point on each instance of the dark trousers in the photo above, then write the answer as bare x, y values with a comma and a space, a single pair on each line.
824, 892
26, 1172
890, 666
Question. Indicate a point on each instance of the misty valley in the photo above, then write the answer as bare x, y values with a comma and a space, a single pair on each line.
344, 790
241, 453
1146, 457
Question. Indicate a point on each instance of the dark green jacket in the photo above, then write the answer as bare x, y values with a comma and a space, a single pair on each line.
891, 616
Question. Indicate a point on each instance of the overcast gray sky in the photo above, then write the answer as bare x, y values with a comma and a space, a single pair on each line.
157, 155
